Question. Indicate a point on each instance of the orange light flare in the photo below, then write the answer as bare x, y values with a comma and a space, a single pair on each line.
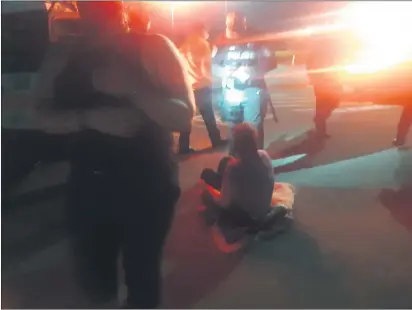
382, 29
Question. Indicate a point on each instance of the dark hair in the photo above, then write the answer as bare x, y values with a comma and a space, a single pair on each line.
245, 141
95, 15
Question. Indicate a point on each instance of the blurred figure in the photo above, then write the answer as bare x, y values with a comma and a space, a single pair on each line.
241, 192
198, 55
118, 96
326, 86
404, 124
256, 58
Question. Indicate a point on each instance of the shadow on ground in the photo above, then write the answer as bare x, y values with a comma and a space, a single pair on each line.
295, 260
311, 146
199, 266
399, 201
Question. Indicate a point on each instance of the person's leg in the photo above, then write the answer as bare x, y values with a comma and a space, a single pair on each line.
203, 99
94, 235
325, 105
231, 126
214, 178
148, 205
184, 142
404, 124
254, 114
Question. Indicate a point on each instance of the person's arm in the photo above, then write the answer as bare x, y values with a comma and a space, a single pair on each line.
172, 107
269, 58
267, 161
226, 191
206, 65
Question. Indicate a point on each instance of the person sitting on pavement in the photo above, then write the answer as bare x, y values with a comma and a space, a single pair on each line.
197, 52
241, 192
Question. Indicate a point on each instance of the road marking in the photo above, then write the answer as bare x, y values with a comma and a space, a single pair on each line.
351, 109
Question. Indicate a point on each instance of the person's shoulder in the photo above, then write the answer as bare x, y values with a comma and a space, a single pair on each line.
232, 163
265, 157
263, 154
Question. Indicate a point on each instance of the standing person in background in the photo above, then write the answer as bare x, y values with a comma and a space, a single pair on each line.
118, 96
326, 86
238, 39
404, 124
198, 54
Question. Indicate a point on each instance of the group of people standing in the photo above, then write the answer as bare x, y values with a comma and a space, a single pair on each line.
326, 53
117, 93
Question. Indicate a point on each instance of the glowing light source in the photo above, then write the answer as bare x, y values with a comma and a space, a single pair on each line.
382, 29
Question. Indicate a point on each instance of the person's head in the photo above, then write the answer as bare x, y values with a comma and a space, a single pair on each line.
236, 22
201, 30
245, 141
100, 18
139, 17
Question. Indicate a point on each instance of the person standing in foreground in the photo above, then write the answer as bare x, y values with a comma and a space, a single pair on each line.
119, 96
239, 48
198, 54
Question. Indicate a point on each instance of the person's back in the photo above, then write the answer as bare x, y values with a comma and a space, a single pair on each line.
120, 107
252, 184
248, 180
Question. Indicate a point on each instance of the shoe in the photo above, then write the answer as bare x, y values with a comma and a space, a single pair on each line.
398, 142
187, 151
220, 143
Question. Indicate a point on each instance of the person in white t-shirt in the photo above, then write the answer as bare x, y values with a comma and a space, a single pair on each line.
118, 96
242, 191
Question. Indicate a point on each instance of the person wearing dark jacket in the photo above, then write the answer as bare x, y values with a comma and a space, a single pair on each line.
118, 96
326, 86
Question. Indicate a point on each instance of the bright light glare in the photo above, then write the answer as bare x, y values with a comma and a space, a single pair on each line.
234, 97
174, 4
383, 30
241, 74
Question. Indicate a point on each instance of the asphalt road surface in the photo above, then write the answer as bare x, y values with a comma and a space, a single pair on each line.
350, 247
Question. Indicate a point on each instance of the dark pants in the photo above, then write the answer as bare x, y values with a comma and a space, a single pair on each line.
203, 98
121, 200
405, 122
326, 103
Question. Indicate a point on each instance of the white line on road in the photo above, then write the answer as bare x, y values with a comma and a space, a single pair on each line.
351, 109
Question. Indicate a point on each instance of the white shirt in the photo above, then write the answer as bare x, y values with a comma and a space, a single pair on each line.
238, 187
159, 57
